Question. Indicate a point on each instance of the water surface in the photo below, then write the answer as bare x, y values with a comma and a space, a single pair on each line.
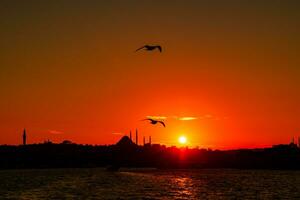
149, 184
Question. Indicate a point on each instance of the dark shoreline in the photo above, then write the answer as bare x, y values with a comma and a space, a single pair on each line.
126, 154
146, 169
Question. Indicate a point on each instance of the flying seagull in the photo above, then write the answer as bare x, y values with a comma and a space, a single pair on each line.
150, 48
153, 121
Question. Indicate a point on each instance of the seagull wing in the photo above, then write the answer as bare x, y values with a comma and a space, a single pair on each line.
162, 123
159, 48
140, 48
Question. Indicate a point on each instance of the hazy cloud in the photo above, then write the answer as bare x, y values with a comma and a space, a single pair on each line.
186, 118
118, 133
172, 117
157, 117
55, 132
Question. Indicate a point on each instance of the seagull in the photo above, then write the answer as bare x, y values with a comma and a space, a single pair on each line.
150, 48
153, 121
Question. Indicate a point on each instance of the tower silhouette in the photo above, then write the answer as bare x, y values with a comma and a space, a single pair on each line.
130, 136
24, 137
150, 140
144, 139
136, 137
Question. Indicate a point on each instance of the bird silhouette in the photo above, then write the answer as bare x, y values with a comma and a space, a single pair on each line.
150, 48
153, 121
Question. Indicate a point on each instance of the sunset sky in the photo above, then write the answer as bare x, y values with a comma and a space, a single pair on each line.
228, 76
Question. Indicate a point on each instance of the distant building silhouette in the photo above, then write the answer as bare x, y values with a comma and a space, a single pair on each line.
126, 142
24, 137
144, 139
48, 141
150, 140
130, 137
128, 154
299, 142
66, 142
136, 137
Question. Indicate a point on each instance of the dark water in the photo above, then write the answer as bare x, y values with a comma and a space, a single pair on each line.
149, 184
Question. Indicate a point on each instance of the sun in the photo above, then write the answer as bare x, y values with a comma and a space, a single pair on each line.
182, 139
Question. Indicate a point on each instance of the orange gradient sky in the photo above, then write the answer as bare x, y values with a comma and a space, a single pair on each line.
68, 71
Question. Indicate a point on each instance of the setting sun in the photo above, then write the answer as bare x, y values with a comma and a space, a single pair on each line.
182, 140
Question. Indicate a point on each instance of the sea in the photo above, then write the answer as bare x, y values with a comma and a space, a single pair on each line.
97, 183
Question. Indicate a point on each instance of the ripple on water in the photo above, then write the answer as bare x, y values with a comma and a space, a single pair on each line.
145, 184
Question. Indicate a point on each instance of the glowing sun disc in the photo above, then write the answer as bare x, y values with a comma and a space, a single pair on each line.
182, 140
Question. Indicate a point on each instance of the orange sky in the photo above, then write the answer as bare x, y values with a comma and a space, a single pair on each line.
68, 71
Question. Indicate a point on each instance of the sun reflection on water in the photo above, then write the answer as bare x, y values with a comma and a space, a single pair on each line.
183, 187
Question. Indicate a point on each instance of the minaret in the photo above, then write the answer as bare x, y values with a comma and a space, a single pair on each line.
150, 140
130, 136
24, 137
136, 137
144, 140
299, 142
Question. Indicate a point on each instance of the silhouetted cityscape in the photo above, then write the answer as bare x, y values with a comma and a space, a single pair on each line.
127, 153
